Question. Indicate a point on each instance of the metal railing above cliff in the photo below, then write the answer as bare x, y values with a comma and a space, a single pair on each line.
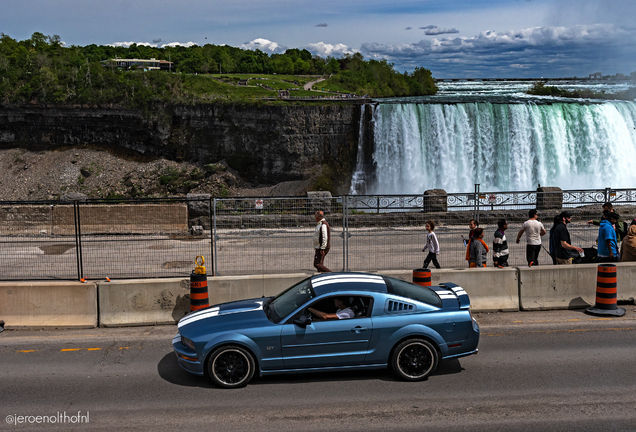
147, 238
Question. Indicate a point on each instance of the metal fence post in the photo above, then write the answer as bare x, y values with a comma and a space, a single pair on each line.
211, 236
345, 232
78, 240
214, 253
476, 207
607, 193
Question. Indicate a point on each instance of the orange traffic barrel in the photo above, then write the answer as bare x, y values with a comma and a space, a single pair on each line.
422, 277
606, 292
198, 292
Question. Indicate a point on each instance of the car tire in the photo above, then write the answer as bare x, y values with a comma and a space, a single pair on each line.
231, 366
414, 359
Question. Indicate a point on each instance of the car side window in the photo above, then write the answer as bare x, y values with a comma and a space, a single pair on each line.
416, 292
352, 307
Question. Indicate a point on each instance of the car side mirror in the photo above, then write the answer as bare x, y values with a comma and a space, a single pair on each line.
303, 320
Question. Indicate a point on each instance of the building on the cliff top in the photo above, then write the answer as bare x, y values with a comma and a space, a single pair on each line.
140, 64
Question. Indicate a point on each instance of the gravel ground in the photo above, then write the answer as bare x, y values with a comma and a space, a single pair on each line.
47, 175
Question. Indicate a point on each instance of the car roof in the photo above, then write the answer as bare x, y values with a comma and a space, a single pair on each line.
335, 282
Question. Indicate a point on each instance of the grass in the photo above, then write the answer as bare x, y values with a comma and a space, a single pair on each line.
224, 87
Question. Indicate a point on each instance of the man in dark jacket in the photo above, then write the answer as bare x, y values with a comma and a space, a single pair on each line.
563, 249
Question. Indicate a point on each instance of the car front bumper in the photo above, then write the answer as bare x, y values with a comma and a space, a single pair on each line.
188, 359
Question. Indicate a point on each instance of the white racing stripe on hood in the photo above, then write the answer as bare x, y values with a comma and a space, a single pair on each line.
214, 312
198, 315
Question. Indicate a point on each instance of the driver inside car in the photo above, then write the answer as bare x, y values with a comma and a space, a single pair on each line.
343, 312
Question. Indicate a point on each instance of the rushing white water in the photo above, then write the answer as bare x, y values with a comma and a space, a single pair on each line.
502, 146
358, 179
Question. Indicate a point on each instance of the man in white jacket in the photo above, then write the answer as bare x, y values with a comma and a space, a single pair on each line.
322, 242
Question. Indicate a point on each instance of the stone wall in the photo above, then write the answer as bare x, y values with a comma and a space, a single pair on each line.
265, 144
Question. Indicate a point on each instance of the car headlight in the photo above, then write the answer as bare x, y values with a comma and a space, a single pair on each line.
187, 343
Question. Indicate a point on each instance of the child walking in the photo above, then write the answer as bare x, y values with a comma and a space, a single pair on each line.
432, 246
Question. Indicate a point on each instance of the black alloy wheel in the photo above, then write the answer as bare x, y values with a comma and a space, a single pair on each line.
414, 359
231, 366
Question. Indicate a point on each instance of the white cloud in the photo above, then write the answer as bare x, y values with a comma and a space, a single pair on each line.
264, 45
325, 50
434, 31
175, 44
153, 45
536, 48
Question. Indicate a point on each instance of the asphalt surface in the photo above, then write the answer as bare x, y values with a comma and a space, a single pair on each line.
536, 371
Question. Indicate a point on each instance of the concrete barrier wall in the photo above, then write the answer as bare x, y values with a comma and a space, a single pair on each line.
490, 289
626, 281
166, 301
143, 301
48, 304
569, 286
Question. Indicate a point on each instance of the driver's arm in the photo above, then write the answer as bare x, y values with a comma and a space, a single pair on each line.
322, 315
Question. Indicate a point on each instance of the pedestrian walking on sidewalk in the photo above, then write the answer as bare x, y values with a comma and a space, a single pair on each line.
472, 224
500, 245
563, 248
322, 242
534, 230
478, 249
620, 226
628, 246
432, 246
607, 244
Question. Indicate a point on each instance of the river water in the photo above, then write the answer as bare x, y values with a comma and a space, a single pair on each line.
494, 134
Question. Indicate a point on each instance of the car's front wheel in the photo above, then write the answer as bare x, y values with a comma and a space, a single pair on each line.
414, 359
231, 366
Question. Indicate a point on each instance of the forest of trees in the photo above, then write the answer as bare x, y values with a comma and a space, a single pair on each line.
42, 70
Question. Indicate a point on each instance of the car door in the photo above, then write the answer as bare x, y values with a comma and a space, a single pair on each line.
329, 343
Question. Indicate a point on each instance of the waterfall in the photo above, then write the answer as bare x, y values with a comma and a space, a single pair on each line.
500, 146
358, 181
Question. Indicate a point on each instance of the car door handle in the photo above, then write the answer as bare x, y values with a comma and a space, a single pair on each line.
359, 329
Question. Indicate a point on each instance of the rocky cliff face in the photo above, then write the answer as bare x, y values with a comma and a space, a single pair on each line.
264, 144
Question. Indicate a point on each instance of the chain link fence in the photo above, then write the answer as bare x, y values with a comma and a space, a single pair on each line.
147, 238
95, 239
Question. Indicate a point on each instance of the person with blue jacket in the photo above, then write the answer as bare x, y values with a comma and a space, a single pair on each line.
607, 244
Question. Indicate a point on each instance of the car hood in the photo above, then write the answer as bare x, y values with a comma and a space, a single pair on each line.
234, 311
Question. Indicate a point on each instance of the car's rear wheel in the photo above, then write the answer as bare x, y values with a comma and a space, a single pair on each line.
414, 359
231, 366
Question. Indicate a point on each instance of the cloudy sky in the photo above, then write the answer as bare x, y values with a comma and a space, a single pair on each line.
453, 38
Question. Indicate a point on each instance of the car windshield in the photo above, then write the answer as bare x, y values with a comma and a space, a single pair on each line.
287, 301
412, 291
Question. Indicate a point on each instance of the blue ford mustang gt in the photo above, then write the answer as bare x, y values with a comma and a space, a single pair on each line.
385, 322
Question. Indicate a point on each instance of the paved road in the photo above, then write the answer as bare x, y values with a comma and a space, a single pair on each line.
541, 371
